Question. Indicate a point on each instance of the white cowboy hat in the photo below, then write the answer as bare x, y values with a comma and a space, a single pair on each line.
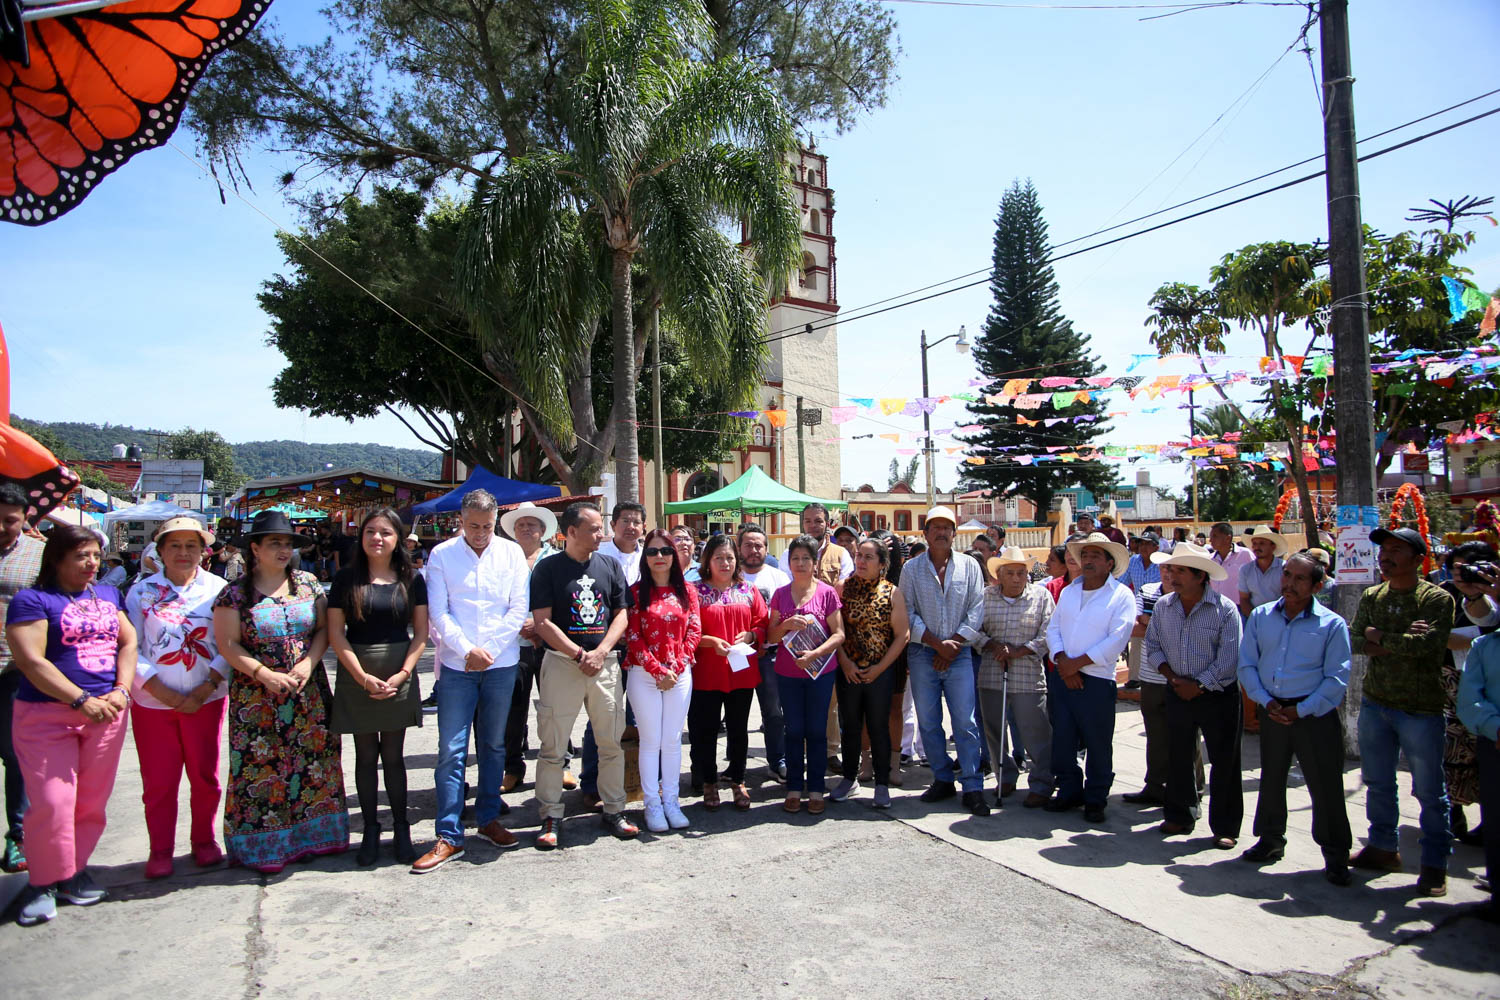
940, 514
528, 509
1276, 537
192, 524
1011, 555
1193, 557
1119, 553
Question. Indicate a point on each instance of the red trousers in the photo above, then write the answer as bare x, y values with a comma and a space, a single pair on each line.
169, 743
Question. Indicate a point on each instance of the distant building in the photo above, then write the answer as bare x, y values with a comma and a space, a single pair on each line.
993, 508
900, 509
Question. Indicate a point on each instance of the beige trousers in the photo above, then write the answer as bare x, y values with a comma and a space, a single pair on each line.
562, 690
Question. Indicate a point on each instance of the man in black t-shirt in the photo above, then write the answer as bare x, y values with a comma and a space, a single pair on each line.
579, 602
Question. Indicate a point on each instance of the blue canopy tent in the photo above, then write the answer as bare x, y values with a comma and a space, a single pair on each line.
506, 492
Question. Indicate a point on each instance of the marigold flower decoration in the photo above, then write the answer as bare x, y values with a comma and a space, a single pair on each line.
1281, 507
1409, 496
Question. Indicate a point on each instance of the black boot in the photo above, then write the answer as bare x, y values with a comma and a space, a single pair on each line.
401, 839
369, 846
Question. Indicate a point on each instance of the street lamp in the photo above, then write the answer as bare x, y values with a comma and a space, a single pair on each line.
963, 348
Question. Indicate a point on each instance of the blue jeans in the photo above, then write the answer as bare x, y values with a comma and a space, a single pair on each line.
804, 707
772, 724
468, 698
1083, 717
1384, 732
929, 688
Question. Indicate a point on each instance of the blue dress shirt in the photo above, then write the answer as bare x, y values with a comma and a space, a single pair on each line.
1306, 657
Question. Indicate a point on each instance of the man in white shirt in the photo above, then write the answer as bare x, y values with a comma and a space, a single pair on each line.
1089, 630
627, 523
767, 579
1230, 556
477, 599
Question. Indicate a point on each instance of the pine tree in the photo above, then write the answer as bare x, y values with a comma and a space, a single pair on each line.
1027, 337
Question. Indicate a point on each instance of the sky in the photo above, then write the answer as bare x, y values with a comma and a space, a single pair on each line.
139, 306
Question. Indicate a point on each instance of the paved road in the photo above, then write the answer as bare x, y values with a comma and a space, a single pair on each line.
920, 902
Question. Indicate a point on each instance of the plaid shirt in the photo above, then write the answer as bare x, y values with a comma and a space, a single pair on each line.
1140, 572
950, 608
19, 566
1202, 645
1022, 622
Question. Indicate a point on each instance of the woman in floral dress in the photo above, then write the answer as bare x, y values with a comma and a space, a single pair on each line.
286, 780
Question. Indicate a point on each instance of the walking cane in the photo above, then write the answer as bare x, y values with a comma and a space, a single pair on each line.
1004, 733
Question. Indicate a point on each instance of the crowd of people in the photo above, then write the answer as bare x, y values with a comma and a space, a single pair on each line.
646, 636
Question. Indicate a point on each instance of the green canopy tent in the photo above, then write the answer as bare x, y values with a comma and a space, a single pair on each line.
753, 493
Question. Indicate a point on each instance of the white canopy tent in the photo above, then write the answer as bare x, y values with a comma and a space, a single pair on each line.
151, 510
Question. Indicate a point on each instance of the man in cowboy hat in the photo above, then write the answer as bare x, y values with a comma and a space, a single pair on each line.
1294, 665
1260, 579
533, 528
1012, 684
1194, 642
944, 593
1108, 529
1087, 633
1402, 625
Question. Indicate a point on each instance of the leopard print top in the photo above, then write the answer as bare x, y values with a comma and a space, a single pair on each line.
867, 619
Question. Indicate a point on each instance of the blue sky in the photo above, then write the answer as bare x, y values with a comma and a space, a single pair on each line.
139, 307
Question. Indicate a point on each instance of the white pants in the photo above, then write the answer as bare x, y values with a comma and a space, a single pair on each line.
659, 717
911, 739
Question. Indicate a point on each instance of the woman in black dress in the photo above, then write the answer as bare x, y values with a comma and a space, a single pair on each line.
377, 618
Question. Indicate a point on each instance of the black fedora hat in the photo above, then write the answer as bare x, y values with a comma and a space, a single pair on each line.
273, 522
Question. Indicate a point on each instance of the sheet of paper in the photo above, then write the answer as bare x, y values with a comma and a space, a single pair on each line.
740, 656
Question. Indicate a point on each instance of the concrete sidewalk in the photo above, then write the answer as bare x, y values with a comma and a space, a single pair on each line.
924, 900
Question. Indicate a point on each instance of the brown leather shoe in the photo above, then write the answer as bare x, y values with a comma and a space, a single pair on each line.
569, 782
497, 834
1173, 829
793, 803
816, 806
509, 782
1376, 860
442, 852
741, 797
1033, 800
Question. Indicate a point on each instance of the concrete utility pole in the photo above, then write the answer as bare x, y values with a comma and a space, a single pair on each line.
1349, 323
1192, 433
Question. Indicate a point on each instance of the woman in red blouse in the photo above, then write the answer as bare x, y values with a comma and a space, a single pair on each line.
733, 612
663, 632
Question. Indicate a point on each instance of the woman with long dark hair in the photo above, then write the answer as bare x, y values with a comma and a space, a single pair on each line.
733, 613
286, 778
377, 626
663, 632
76, 651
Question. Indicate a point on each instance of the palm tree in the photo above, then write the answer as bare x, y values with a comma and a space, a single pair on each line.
1185, 320
907, 475
665, 155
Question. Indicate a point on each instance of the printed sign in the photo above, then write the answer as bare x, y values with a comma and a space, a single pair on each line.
1356, 556
1414, 461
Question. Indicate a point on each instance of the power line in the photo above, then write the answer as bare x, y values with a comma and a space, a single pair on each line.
810, 327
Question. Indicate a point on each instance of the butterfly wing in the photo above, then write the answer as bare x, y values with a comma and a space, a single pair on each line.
101, 87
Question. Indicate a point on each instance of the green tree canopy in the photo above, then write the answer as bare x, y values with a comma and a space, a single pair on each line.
209, 446
1027, 336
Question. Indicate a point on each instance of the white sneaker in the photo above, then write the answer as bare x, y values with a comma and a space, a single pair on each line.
674, 813
656, 819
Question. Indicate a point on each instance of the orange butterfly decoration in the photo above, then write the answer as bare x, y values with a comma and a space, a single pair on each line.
91, 89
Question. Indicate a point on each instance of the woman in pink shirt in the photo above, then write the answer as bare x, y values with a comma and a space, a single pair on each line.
662, 633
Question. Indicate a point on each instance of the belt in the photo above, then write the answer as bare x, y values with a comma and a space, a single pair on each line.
1290, 701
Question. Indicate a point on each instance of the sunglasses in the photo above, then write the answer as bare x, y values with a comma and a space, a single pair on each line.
665, 550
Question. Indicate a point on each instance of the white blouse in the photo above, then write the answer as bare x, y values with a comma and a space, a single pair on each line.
174, 627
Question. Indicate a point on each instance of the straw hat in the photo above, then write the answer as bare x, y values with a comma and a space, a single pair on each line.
192, 524
1193, 557
1011, 555
1276, 537
528, 509
1098, 540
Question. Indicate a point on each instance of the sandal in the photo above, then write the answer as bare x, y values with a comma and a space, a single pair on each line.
793, 803
816, 805
711, 795
741, 797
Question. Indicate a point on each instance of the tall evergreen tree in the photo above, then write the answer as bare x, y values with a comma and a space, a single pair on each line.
1026, 336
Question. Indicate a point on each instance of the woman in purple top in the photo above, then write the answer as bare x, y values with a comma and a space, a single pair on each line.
807, 624
76, 652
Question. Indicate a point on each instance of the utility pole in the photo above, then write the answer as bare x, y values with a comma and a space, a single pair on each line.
801, 459
927, 429
1349, 323
1192, 433
661, 469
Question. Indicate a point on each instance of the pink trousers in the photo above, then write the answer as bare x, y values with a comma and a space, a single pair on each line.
167, 744
69, 765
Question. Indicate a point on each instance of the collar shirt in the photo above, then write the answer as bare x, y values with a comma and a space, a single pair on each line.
1303, 659
174, 629
19, 566
543, 551
953, 607
1263, 588
1019, 621
1140, 572
478, 600
1230, 585
1093, 623
1145, 604
630, 562
1202, 645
